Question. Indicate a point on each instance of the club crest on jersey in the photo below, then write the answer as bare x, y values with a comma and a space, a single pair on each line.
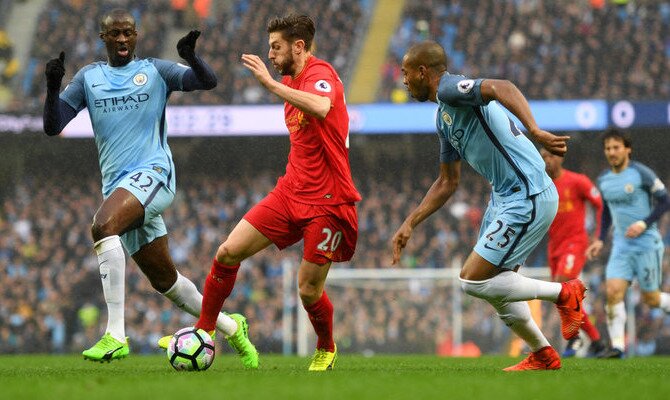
447, 118
140, 79
658, 185
628, 188
322, 86
466, 85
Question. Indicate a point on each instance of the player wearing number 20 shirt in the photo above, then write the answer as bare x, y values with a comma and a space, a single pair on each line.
314, 201
317, 173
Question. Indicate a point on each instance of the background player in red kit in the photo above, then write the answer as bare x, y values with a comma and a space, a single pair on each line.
314, 200
568, 239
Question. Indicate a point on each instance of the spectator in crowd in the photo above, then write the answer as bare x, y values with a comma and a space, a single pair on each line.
43, 201
567, 49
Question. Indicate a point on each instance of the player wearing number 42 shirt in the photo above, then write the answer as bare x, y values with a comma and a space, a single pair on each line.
126, 99
473, 126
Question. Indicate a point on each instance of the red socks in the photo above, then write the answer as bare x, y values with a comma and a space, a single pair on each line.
321, 316
588, 327
218, 285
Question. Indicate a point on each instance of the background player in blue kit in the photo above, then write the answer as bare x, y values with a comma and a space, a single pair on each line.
629, 189
523, 202
126, 99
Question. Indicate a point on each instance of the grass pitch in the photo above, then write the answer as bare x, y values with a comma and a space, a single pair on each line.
355, 377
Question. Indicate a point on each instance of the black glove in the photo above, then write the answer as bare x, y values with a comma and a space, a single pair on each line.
54, 72
186, 45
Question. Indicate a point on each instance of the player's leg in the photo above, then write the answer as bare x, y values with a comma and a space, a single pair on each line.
311, 281
510, 231
156, 263
330, 235
616, 318
650, 278
148, 245
244, 241
657, 299
569, 266
119, 213
619, 273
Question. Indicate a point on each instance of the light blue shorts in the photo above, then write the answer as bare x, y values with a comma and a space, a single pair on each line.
511, 230
645, 265
148, 186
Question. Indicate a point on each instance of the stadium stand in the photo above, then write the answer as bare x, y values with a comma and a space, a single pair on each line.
50, 273
550, 49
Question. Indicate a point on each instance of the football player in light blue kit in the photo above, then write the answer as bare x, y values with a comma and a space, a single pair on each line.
126, 99
475, 128
629, 189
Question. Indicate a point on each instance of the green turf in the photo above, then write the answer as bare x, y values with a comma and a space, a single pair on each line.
355, 377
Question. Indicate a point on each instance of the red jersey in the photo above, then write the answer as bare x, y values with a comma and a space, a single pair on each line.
574, 190
318, 170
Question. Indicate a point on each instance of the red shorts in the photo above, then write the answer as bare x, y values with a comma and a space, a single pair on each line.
329, 231
569, 261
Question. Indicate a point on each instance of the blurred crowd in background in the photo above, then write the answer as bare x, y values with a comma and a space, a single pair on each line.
550, 49
52, 299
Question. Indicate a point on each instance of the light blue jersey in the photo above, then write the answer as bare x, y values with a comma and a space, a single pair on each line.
127, 109
524, 200
483, 135
628, 195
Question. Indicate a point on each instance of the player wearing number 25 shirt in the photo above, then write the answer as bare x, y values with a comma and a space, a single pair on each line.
314, 200
472, 125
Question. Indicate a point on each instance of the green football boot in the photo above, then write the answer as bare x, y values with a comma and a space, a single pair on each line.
239, 341
323, 360
107, 349
164, 342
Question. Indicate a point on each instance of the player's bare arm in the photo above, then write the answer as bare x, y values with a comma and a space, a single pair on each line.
507, 94
309, 103
438, 194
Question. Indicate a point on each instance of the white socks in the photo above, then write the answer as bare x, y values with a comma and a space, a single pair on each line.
517, 316
508, 292
508, 287
616, 325
112, 262
665, 302
185, 295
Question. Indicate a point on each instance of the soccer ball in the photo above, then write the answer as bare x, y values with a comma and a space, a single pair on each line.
191, 349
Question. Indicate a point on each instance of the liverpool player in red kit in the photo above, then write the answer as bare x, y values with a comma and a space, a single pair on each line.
568, 239
315, 200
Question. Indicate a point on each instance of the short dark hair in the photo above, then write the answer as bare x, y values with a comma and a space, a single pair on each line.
294, 27
613, 133
428, 53
115, 14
